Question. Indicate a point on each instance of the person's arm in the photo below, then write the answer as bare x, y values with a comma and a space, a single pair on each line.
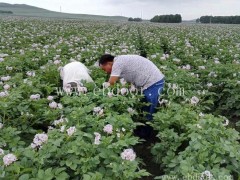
116, 72
113, 79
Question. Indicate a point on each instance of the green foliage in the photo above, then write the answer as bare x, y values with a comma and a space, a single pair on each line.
167, 18
195, 144
5, 12
197, 61
135, 19
220, 19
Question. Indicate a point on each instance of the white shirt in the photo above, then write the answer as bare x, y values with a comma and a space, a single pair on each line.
75, 72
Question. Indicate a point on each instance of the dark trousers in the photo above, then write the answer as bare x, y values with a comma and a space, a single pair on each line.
151, 95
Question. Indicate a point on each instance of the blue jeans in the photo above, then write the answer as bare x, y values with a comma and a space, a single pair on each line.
152, 94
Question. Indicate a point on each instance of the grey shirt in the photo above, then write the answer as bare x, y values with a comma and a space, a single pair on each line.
137, 70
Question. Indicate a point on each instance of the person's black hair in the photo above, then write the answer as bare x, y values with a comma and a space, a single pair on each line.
105, 59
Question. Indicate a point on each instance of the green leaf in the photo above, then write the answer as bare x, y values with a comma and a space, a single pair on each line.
40, 174
24, 177
86, 177
68, 163
49, 173
62, 176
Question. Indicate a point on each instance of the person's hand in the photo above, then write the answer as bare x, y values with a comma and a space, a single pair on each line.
113, 79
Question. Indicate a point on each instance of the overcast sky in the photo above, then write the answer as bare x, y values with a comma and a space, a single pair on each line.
189, 9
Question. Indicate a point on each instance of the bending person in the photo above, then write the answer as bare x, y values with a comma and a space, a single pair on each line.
139, 71
73, 74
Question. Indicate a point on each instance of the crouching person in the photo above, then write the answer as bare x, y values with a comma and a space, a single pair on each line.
73, 74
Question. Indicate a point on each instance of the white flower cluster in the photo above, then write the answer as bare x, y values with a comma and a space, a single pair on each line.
153, 56
39, 140
201, 114
31, 73
108, 129
206, 174
8, 68
201, 67
1, 125
236, 62
4, 94
71, 130
128, 154
203, 92
176, 60
98, 111
209, 85
22, 52
6, 87
27, 114
163, 67
62, 128
216, 61
124, 91
26, 81
50, 98
110, 94
60, 121
35, 97
9, 159
199, 126
5, 78
56, 62
119, 132
131, 110
194, 75
106, 85
50, 128
3, 55
55, 105
164, 56
194, 100
97, 138
187, 67
212, 74
56, 57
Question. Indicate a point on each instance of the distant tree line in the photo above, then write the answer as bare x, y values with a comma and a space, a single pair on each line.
5, 12
135, 19
177, 18
219, 19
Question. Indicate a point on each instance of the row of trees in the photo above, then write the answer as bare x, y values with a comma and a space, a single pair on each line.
5, 12
177, 18
219, 19
135, 19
